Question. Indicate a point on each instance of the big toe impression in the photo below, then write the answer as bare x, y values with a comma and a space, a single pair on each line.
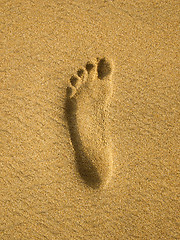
104, 68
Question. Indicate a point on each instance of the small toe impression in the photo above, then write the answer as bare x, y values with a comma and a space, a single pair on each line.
74, 80
89, 67
69, 91
103, 68
80, 72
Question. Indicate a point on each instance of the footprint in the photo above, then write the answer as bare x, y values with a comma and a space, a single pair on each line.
87, 100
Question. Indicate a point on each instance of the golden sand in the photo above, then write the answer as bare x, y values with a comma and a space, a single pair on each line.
89, 120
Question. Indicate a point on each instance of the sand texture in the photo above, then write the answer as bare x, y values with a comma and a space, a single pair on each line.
89, 120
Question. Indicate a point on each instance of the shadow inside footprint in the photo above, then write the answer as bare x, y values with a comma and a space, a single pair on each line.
84, 165
103, 68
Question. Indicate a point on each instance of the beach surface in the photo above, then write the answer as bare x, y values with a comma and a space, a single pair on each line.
89, 120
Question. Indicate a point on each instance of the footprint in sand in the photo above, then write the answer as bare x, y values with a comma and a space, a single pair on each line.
86, 109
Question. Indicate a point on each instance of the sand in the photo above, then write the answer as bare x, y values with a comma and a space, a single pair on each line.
89, 120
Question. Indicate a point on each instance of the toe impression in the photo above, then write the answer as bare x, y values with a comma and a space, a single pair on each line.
104, 68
